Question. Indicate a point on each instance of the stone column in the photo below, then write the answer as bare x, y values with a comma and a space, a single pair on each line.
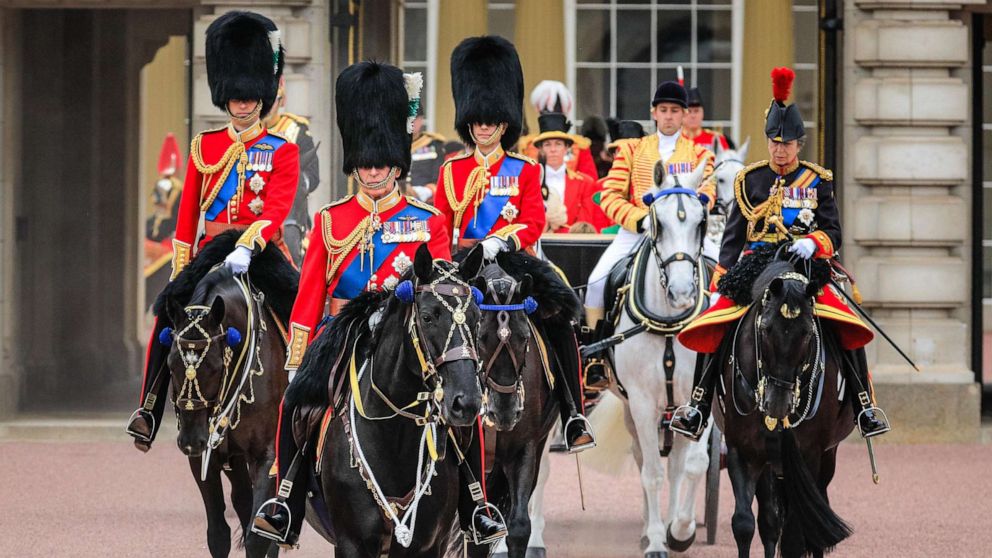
767, 43
9, 369
540, 33
457, 19
905, 188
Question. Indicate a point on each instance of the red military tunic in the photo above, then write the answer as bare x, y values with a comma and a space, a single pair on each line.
350, 253
502, 201
706, 136
245, 184
580, 205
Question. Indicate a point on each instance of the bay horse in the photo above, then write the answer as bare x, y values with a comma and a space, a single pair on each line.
388, 462
226, 363
782, 414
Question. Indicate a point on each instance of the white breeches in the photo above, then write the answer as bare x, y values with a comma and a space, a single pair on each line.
622, 245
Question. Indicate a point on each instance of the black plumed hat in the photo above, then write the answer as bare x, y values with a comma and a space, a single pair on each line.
245, 59
488, 86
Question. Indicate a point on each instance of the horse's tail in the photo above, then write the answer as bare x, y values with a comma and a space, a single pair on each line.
807, 510
613, 442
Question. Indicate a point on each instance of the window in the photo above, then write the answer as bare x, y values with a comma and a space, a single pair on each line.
502, 18
806, 55
419, 44
621, 50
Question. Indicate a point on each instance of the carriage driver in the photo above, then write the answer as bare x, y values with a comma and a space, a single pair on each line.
239, 177
631, 176
777, 200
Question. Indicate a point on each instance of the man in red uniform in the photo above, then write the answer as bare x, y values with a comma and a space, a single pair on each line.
239, 177
568, 194
490, 196
693, 122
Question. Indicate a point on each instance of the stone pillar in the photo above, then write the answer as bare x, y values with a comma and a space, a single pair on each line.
767, 43
457, 19
304, 27
9, 128
905, 189
540, 32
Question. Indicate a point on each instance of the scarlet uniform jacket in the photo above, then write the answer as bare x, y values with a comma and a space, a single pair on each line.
502, 200
706, 136
356, 245
579, 202
247, 184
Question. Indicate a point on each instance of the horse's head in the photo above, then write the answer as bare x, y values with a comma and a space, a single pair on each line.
677, 228
445, 318
199, 360
785, 337
728, 163
504, 342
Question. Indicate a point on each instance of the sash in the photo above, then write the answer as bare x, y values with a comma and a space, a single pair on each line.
355, 277
479, 226
802, 194
230, 186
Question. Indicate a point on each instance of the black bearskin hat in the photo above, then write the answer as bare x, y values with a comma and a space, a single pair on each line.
245, 59
488, 86
372, 109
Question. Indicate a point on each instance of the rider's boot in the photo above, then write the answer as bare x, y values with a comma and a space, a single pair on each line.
690, 419
596, 375
146, 419
481, 520
576, 431
871, 420
281, 518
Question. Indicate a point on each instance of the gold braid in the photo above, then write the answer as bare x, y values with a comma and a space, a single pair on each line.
336, 249
234, 154
769, 211
476, 183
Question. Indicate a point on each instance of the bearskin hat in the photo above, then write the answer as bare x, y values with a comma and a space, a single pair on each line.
488, 86
245, 59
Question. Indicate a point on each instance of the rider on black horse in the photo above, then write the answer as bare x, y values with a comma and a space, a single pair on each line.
778, 201
240, 177
490, 196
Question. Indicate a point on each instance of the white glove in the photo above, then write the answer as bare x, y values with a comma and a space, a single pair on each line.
423, 193
645, 225
714, 298
238, 260
292, 374
492, 246
804, 248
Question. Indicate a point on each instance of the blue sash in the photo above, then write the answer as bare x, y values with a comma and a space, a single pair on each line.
230, 186
356, 276
489, 210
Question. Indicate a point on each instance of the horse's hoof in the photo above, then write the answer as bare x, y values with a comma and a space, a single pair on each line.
677, 545
536, 552
656, 554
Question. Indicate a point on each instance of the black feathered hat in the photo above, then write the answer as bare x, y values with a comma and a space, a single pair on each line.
245, 59
488, 86
670, 92
373, 110
783, 122
694, 97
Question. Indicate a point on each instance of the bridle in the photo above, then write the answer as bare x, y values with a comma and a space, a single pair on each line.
502, 306
719, 208
655, 234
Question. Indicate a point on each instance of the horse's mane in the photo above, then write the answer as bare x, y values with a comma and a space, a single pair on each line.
793, 292
743, 279
208, 284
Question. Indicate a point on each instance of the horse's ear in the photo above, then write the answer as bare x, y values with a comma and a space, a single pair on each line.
479, 284
696, 178
776, 287
423, 264
217, 310
174, 311
742, 152
526, 285
811, 290
472, 263
717, 146
659, 173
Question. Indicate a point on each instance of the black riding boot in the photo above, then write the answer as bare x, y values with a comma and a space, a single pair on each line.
281, 518
568, 381
870, 419
690, 419
477, 517
596, 365
146, 420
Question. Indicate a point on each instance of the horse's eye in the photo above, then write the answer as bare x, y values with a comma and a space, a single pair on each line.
426, 318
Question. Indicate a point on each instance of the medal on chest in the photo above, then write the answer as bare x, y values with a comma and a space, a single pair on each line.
504, 186
405, 229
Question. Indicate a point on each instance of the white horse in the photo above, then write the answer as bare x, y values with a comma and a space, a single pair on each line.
728, 163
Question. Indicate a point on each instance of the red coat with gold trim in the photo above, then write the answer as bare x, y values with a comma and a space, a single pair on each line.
466, 188
579, 202
247, 184
706, 136
349, 253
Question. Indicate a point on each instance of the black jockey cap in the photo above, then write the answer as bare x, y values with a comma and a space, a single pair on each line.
694, 97
373, 107
783, 122
554, 125
245, 59
670, 92
487, 84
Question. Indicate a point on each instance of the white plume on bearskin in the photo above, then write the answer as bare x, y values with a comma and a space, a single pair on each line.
551, 96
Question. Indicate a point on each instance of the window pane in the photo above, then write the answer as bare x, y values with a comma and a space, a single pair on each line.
592, 93
714, 34
807, 37
501, 22
593, 30
633, 36
804, 93
987, 273
715, 2
633, 94
415, 34
987, 99
714, 86
987, 213
674, 36
987, 155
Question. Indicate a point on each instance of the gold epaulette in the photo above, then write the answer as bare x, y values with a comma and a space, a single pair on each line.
523, 158
195, 142
296, 118
434, 136
340, 201
742, 202
278, 135
459, 157
417, 203
825, 174
573, 174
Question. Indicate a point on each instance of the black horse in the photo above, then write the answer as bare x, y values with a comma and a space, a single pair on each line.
781, 417
226, 363
406, 398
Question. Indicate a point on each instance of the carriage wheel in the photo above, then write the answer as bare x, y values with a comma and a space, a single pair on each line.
713, 486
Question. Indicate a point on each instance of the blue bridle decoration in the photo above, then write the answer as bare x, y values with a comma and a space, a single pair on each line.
650, 198
529, 305
404, 292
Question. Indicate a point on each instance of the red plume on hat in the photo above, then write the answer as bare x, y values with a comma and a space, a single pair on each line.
168, 157
782, 79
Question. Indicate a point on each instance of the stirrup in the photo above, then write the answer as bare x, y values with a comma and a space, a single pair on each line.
880, 415
277, 537
581, 447
683, 410
496, 515
149, 417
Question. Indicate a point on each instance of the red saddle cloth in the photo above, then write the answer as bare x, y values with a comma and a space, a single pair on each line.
705, 333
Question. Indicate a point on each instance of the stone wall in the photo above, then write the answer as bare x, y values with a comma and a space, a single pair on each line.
906, 199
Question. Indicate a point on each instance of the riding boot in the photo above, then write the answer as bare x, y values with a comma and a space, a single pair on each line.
477, 517
281, 518
870, 419
568, 379
146, 419
690, 419
597, 378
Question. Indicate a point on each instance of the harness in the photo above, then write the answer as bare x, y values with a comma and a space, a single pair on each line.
503, 307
